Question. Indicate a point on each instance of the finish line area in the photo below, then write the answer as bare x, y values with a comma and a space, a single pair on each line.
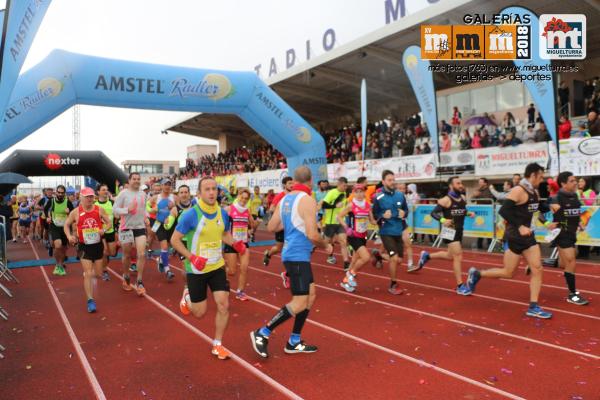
425, 343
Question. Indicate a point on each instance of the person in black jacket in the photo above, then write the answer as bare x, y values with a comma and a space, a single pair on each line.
6, 212
568, 216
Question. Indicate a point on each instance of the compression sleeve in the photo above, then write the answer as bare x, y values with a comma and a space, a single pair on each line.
508, 212
438, 212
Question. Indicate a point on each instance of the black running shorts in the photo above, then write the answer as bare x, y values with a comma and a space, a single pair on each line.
230, 250
517, 243
393, 245
565, 240
356, 243
110, 237
92, 252
333, 229
164, 234
198, 284
57, 233
301, 276
458, 237
279, 237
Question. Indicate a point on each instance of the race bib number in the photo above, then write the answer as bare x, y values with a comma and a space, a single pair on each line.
240, 233
126, 236
155, 226
24, 216
212, 251
552, 235
91, 235
448, 233
362, 224
59, 220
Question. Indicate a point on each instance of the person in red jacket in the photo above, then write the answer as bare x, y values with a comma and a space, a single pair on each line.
564, 128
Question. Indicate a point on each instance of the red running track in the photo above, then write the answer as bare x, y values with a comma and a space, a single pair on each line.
426, 344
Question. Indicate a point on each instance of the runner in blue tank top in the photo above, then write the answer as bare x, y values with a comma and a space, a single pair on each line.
296, 216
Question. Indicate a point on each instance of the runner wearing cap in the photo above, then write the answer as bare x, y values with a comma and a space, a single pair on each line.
359, 211
90, 220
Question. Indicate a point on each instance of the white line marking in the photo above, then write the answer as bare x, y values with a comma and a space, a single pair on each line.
452, 291
448, 319
84, 361
400, 355
246, 365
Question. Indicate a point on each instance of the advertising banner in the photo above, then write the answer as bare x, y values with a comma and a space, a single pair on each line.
580, 156
423, 221
590, 220
421, 80
266, 180
410, 168
541, 90
457, 158
482, 225
500, 223
510, 160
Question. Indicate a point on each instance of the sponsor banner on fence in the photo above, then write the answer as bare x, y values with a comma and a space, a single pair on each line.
266, 180
423, 221
457, 158
410, 168
509, 160
482, 225
580, 156
226, 181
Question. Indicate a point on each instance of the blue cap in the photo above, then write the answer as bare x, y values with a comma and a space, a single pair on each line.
71, 190
164, 181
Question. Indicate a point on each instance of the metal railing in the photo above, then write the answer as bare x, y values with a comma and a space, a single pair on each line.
5, 273
489, 226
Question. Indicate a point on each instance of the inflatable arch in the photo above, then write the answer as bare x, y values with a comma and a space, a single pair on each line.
65, 163
64, 79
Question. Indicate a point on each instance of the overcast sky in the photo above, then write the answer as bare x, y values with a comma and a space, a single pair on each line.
235, 34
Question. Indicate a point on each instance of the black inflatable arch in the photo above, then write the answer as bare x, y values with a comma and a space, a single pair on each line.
94, 164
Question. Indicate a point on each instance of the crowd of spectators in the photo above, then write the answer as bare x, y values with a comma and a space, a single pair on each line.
240, 160
396, 137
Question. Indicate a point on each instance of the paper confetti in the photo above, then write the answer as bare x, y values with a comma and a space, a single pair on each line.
422, 381
506, 371
28, 367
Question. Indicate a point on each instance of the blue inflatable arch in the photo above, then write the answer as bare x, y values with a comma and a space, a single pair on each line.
64, 79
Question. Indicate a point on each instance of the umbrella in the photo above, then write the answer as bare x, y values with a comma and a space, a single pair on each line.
11, 178
479, 120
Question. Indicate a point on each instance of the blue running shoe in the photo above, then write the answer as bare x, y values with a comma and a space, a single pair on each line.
538, 312
161, 267
473, 278
423, 259
133, 268
91, 306
463, 290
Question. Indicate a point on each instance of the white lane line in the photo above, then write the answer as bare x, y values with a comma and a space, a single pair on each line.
448, 319
84, 361
246, 365
452, 290
403, 356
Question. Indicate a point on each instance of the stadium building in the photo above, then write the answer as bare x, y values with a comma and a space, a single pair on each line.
325, 89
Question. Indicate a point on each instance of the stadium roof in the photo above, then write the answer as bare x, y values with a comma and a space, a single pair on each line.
325, 90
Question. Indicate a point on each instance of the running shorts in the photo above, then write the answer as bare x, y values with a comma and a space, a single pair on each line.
356, 242
92, 252
517, 243
393, 245
301, 276
198, 283
57, 233
333, 229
